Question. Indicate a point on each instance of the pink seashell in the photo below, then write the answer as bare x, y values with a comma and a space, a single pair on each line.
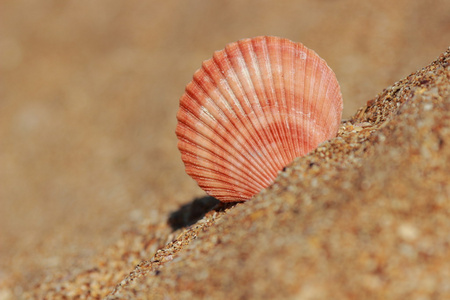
250, 110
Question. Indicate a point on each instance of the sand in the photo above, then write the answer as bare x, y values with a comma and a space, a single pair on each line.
94, 198
365, 215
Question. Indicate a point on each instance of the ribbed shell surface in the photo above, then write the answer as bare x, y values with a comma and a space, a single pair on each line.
250, 110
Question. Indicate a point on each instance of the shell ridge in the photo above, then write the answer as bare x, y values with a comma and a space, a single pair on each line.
256, 89
267, 91
218, 183
205, 153
249, 140
245, 83
239, 158
281, 99
334, 115
273, 104
314, 138
229, 77
288, 70
235, 57
299, 88
228, 120
218, 176
207, 72
274, 56
285, 116
221, 177
327, 117
300, 96
317, 98
288, 64
337, 95
309, 98
200, 150
261, 163
328, 102
230, 195
306, 102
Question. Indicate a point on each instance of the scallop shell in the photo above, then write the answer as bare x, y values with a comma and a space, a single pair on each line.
250, 110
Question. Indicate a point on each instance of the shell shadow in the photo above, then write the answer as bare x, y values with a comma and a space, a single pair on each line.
188, 214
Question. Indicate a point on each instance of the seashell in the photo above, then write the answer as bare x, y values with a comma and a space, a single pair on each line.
250, 110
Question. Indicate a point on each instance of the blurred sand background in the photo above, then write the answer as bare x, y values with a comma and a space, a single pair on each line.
89, 92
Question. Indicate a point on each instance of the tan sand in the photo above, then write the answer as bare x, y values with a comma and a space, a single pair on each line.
90, 173
366, 215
